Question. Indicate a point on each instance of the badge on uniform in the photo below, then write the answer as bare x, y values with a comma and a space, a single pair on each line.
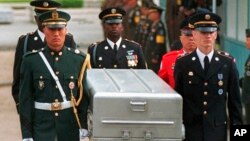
220, 91
40, 84
190, 73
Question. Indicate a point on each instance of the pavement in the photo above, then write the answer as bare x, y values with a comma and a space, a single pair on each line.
84, 25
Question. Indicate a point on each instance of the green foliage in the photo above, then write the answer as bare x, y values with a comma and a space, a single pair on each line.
71, 3
65, 3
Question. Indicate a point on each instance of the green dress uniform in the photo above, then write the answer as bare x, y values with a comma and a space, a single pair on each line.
38, 85
32, 42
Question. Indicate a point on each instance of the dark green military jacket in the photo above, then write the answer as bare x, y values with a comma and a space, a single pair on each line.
246, 83
37, 84
33, 42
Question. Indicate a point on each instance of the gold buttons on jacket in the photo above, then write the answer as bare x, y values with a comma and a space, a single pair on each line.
205, 103
115, 66
205, 113
205, 93
56, 58
57, 72
56, 114
205, 83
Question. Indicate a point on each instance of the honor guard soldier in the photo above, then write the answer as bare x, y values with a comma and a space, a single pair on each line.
143, 27
155, 45
246, 82
33, 41
166, 71
208, 82
114, 51
53, 93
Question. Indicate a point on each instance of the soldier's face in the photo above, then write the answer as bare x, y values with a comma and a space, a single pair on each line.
113, 30
187, 42
248, 42
55, 37
204, 39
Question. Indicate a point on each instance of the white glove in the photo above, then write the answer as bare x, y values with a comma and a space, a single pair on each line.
183, 131
28, 139
83, 133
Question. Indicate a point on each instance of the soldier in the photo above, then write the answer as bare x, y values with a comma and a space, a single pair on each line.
208, 82
33, 41
143, 26
166, 71
155, 45
53, 103
115, 52
246, 82
131, 19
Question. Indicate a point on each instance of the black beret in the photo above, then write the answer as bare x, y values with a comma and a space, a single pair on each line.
44, 5
112, 15
247, 32
54, 19
205, 22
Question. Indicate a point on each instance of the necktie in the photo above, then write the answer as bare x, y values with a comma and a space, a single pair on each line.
206, 64
115, 49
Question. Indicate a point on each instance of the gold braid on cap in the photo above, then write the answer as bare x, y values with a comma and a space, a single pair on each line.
206, 22
45, 8
111, 15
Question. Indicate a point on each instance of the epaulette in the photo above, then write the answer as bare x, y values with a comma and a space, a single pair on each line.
223, 53
94, 44
69, 34
33, 52
226, 54
132, 41
76, 51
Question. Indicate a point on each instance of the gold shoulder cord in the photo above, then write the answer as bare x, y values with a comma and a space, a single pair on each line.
86, 64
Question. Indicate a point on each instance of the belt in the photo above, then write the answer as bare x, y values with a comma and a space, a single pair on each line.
55, 106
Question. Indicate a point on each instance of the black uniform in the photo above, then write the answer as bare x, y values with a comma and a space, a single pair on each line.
155, 46
33, 42
129, 55
207, 97
246, 90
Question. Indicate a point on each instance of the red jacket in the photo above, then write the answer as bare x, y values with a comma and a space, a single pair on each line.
166, 71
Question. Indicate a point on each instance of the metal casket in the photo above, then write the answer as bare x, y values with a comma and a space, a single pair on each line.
134, 105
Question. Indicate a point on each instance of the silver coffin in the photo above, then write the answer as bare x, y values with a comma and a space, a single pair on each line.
134, 105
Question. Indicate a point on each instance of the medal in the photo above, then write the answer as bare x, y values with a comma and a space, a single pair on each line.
220, 83
220, 77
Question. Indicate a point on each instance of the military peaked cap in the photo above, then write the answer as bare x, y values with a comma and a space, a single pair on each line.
247, 32
54, 19
155, 8
42, 6
112, 15
205, 22
185, 29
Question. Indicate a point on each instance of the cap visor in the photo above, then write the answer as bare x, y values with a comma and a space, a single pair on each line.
113, 21
206, 29
56, 26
